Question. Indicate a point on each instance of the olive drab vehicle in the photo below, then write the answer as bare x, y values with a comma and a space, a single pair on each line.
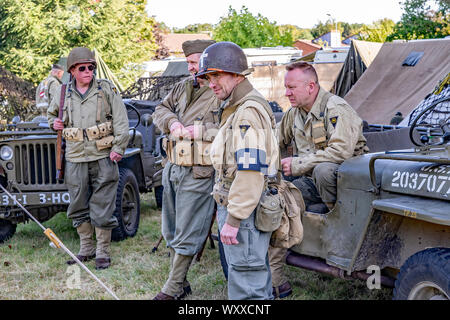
28, 172
392, 215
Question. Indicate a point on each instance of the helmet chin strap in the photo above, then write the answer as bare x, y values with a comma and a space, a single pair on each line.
196, 84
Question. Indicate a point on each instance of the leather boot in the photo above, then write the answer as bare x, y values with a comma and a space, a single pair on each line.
103, 259
87, 243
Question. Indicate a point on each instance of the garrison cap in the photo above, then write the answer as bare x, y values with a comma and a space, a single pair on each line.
195, 46
57, 66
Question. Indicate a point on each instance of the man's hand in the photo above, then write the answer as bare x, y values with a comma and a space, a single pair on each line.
286, 166
178, 130
58, 124
228, 234
194, 131
115, 157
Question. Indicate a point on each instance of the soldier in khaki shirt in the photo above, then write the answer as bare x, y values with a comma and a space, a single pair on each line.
95, 126
324, 131
244, 153
188, 115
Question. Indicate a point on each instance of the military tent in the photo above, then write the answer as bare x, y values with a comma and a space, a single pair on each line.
359, 58
400, 76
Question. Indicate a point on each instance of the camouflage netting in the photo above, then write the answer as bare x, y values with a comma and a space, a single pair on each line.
151, 88
442, 110
17, 96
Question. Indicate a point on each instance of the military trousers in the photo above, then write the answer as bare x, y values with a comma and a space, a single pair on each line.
92, 188
249, 276
277, 260
320, 186
187, 209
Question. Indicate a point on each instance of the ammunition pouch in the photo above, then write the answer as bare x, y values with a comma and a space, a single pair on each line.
104, 143
270, 210
73, 134
99, 131
101, 134
188, 152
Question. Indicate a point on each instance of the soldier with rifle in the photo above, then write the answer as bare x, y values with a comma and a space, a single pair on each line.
188, 115
94, 124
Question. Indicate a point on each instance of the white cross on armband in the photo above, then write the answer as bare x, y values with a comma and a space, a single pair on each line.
251, 159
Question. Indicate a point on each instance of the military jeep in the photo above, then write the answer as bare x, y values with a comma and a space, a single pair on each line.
28, 172
392, 214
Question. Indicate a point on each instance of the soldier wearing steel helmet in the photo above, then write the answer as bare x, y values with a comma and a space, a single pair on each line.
95, 126
244, 154
188, 115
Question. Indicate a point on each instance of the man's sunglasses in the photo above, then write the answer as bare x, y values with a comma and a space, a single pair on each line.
83, 68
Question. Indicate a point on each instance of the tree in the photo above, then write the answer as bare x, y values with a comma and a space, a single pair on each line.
378, 31
249, 31
346, 29
195, 28
35, 33
297, 33
423, 19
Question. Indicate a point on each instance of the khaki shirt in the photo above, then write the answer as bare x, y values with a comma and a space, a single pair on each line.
46, 90
342, 126
189, 105
244, 152
84, 115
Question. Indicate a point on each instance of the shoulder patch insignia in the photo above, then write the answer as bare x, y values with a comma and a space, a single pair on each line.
333, 121
243, 129
115, 90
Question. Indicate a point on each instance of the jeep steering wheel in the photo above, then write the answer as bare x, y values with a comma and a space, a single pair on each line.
133, 108
443, 127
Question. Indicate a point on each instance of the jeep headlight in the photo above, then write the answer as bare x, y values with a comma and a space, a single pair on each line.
6, 153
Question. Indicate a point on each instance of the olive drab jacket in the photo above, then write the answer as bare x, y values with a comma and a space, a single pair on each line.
330, 132
100, 103
244, 152
187, 105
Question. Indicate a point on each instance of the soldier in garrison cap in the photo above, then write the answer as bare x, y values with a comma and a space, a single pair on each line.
188, 115
95, 127
244, 154
324, 131
47, 89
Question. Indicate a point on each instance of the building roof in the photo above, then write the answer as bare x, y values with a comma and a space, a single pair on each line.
173, 41
308, 42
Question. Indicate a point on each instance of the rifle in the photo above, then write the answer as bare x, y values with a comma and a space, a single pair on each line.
60, 143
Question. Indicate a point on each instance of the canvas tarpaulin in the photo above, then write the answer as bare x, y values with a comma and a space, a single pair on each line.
359, 58
388, 86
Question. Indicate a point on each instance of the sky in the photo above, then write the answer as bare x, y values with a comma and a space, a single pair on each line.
304, 14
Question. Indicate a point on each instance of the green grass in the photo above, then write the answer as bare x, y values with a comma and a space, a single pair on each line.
31, 269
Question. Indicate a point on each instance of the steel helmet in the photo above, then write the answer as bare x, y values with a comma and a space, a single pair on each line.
80, 55
223, 57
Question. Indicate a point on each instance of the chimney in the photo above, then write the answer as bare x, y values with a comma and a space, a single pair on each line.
335, 39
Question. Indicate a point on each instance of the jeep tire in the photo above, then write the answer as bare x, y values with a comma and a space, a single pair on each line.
128, 207
7, 230
425, 276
